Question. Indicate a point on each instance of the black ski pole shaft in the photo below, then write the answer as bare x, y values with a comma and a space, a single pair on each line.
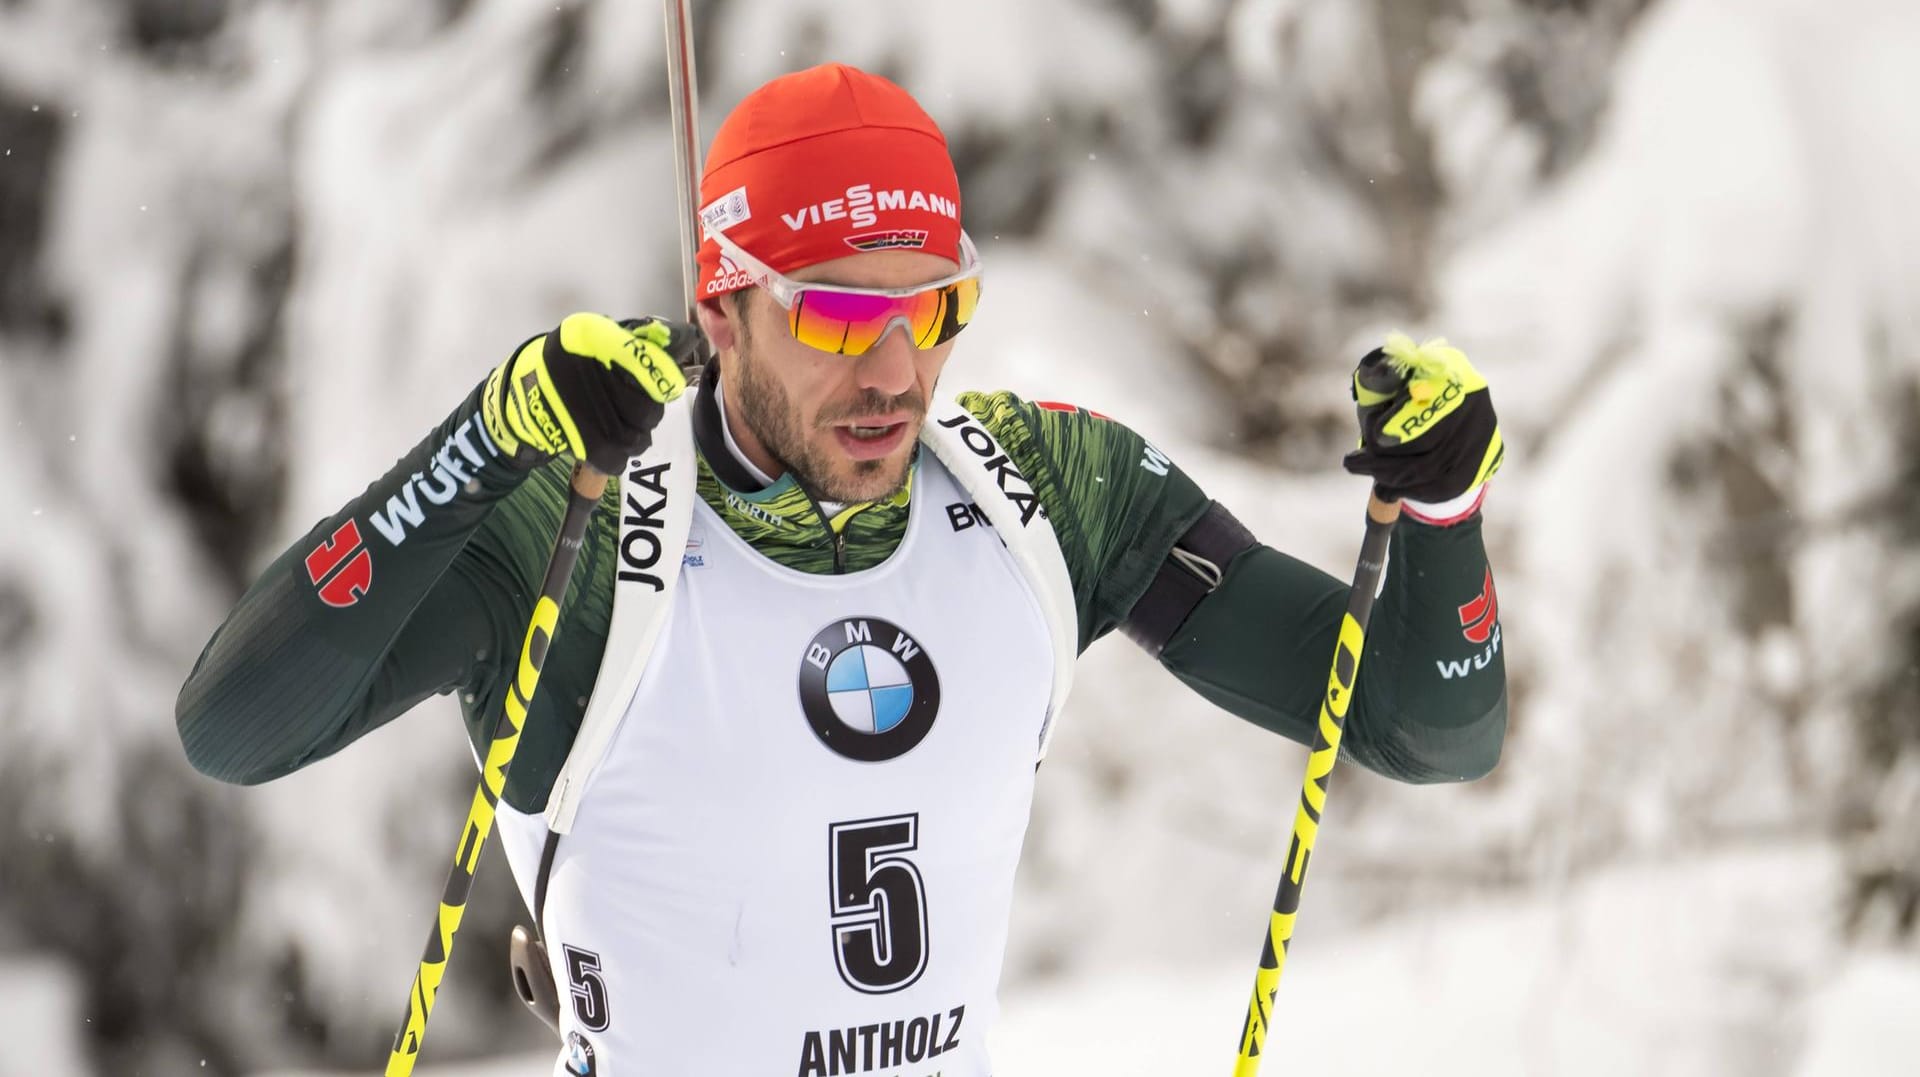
1381, 516
587, 486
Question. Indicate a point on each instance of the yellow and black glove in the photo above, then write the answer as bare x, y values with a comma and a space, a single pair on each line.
1428, 434
593, 388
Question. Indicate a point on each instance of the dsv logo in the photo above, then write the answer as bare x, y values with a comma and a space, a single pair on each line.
341, 567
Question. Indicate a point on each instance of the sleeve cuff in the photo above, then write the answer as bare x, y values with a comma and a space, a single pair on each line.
1449, 512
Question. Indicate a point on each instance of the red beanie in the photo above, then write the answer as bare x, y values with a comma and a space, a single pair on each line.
821, 164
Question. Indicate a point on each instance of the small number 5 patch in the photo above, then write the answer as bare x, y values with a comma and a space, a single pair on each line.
588, 989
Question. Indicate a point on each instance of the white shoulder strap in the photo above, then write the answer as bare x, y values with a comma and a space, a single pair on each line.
657, 496
656, 509
988, 475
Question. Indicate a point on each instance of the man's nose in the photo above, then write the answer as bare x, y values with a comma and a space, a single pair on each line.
888, 366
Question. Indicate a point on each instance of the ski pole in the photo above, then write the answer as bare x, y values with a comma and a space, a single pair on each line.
586, 488
683, 101
1381, 516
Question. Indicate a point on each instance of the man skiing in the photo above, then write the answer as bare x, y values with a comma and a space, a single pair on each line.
771, 792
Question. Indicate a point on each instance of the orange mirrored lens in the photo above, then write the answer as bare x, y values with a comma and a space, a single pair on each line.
849, 323
966, 296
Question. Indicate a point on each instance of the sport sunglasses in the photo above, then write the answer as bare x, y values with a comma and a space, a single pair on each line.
845, 320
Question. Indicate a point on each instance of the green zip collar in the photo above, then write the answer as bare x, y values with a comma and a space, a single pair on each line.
783, 521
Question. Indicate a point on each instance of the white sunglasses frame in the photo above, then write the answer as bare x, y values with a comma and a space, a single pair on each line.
786, 291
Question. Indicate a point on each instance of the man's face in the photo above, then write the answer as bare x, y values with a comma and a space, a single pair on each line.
845, 425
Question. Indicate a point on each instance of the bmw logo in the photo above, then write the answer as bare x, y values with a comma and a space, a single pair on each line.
868, 689
580, 1061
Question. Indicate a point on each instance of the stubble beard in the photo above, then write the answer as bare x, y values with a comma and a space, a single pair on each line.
767, 409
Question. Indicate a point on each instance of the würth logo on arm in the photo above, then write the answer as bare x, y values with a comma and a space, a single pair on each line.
1478, 618
341, 567
1480, 624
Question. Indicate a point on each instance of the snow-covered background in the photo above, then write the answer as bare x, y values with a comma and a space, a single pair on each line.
251, 249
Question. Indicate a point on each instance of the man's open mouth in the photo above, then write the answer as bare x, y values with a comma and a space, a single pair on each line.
871, 437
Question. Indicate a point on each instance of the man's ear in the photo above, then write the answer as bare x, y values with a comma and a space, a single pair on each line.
716, 321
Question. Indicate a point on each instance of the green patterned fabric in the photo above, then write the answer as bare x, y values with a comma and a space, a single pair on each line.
784, 522
1116, 503
1111, 498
